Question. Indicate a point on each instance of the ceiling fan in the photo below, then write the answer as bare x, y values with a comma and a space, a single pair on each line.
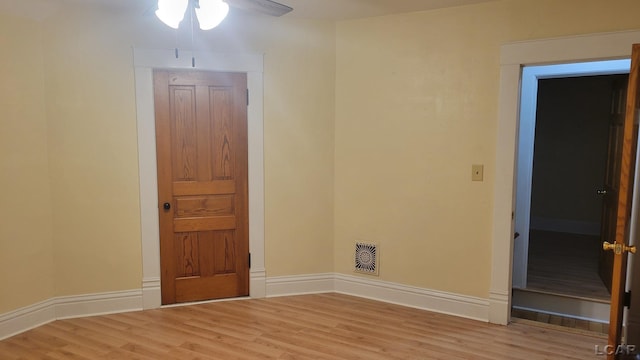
211, 12
267, 7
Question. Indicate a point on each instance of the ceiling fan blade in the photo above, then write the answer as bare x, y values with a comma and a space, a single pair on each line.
267, 7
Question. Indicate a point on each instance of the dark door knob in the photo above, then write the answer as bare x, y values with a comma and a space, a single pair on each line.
166, 206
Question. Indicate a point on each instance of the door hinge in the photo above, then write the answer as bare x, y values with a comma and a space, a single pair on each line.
247, 97
627, 299
249, 261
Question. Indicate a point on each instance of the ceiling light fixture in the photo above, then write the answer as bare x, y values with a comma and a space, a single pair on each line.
210, 13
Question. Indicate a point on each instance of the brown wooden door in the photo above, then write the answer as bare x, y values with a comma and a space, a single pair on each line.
201, 135
627, 169
610, 190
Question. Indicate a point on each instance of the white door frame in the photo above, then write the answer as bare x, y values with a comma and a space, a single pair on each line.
513, 57
145, 60
526, 141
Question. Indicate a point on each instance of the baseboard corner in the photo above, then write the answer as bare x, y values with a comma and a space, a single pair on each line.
64, 307
425, 299
26, 318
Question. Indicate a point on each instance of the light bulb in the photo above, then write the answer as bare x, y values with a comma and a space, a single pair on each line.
171, 12
211, 13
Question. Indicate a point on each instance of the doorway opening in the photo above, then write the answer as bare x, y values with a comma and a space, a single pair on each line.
563, 138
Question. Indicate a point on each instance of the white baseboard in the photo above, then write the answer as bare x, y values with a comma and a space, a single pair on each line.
98, 304
257, 283
436, 301
300, 284
425, 299
151, 293
26, 318
29, 317
499, 307
565, 226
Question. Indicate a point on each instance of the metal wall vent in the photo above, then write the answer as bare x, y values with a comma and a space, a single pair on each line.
366, 258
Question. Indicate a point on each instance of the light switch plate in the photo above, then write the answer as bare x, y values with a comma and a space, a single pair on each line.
477, 172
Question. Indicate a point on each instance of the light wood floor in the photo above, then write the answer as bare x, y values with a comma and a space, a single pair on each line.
567, 264
324, 326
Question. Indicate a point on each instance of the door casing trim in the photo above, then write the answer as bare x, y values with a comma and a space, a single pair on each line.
526, 141
145, 60
604, 46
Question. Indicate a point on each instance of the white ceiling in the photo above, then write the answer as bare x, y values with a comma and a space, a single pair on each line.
32, 9
354, 9
312, 9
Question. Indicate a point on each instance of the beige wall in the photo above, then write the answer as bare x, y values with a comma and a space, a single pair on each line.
299, 140
92, 149
416, 106
91, 107
82, 116
414, 110
390, 111
26, 260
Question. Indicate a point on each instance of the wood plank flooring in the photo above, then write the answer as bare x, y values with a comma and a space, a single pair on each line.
322, 326
562, 263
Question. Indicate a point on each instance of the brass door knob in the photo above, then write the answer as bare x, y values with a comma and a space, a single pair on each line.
618, 248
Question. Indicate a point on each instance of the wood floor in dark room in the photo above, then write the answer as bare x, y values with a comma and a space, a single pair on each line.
565, 264
322, 326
